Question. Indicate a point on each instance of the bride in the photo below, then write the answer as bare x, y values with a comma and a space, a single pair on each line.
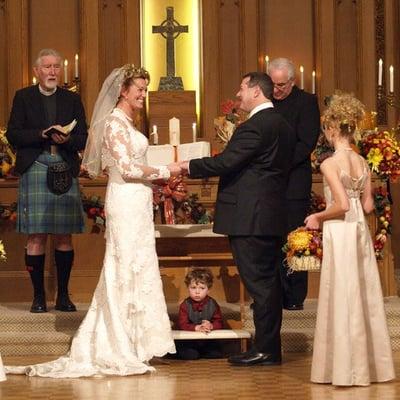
127, 322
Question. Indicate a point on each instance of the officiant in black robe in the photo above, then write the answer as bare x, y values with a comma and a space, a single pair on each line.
301, 111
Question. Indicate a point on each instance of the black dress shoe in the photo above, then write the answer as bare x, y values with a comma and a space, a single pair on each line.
255, 358
39, 305
64, 303
293, 307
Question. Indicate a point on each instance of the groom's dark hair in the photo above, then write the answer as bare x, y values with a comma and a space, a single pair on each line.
263, 81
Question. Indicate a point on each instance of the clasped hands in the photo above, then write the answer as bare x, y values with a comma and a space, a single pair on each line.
205, 326
178, 168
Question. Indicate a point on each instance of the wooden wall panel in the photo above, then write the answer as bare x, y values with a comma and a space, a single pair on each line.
230, 51
368, 68
230, 48
324, 48
54, 24
89, 51
346, 46
112, 36
289, 32
209, 77
251, 38
3, 65
17, 47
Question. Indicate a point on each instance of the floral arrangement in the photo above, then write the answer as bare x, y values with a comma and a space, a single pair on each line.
303, 250
8, 213
3, 255
7, 156
195, 212
226, 124
171, 194
317, 203
94, 209
382, 152
321, 152
383, 213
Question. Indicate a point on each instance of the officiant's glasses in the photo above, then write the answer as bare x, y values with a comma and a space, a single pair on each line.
282, 85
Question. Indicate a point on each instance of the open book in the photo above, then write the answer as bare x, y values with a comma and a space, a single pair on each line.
165, 153
64, 130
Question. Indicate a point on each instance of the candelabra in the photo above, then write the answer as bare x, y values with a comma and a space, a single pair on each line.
74, 86
389, 98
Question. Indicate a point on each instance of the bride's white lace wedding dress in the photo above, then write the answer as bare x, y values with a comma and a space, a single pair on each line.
127, 322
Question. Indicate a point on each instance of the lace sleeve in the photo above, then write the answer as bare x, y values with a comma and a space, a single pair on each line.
117, 143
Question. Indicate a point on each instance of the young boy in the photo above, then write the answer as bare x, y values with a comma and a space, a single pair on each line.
201, 313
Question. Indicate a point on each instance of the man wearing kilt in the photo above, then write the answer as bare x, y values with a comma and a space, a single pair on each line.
35, 130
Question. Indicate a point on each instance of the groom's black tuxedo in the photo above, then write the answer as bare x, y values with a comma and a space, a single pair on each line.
250, 209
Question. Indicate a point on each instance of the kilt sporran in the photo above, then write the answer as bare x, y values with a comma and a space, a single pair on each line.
59, 177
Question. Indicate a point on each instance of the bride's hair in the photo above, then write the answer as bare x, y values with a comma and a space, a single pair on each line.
344, 111
107, 99
130, 73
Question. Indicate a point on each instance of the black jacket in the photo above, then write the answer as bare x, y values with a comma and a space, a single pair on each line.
301, 110
253, 176
27, 120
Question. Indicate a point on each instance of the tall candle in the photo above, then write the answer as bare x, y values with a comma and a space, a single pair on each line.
194, 132
34, 80
266, 64
76, 66
391, 79
65, 71
380, 71
313, 83
155, 135
301, 77
174, 131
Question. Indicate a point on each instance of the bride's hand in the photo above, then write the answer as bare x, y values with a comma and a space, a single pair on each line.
312, 222
174, 169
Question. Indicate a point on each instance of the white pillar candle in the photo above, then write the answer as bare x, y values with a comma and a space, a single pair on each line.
155, 135
65, 71
313, 83
391, 79
174, 131
266, 64
301, 77
380, 71
76, 66
34, 80
194, 132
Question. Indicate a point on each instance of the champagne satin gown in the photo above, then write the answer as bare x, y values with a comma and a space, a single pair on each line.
351, 343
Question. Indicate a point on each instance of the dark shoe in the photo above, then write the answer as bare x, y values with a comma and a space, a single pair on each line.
64, 303
293, 307
255, 358
39, 305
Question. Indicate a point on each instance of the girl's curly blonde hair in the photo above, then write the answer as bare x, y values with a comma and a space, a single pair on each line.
344, 111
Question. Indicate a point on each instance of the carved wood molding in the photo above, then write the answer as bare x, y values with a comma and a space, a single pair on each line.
380, 53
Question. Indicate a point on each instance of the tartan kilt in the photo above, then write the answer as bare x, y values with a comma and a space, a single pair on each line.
41, 211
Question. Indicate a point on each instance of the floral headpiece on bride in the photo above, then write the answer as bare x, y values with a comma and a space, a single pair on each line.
105, 103
344, 111
130, 72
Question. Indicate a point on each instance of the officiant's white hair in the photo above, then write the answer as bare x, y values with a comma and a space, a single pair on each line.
44, 53
283, 63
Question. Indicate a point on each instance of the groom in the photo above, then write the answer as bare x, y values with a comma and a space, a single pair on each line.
250, 208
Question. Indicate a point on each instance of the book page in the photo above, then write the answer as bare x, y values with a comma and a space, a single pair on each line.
68, 128
189, 151
162, 154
